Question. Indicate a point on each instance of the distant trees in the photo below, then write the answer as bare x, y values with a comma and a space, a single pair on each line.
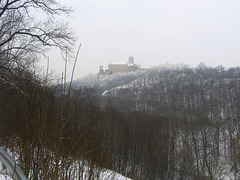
201, 110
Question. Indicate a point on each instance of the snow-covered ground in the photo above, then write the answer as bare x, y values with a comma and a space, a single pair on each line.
104, 175
4, 173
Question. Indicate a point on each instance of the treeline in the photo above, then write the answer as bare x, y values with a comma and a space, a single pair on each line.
175, 123
172, 123
184, 123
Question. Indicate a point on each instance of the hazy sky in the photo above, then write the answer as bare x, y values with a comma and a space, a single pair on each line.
154, 32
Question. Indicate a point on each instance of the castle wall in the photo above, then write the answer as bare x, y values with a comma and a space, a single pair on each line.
117, 68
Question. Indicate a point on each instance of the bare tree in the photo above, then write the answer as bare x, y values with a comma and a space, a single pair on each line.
21, 30
24, 34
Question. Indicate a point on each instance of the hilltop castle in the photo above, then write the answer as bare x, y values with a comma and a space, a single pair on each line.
114, 68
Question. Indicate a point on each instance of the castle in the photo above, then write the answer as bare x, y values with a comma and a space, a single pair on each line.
114, 68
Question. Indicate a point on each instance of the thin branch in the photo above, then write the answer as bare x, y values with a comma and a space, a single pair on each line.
74, 66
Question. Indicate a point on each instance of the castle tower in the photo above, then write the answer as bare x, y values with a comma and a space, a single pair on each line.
131, 60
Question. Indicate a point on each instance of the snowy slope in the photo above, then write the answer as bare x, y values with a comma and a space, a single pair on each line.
104, 175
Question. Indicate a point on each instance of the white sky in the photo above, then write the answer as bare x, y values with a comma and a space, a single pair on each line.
154, 32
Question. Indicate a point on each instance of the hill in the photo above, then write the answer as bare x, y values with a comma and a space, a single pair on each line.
182, 122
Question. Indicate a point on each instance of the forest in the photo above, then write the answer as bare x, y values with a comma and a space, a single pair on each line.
168, 122
176, 122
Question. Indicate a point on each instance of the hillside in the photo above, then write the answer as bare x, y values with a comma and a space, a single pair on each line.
183, 122
169, 122
181, 88
102, 83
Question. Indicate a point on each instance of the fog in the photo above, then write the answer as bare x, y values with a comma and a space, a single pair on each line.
153, 32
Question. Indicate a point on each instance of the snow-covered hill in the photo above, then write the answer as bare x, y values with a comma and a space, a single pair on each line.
102, 83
